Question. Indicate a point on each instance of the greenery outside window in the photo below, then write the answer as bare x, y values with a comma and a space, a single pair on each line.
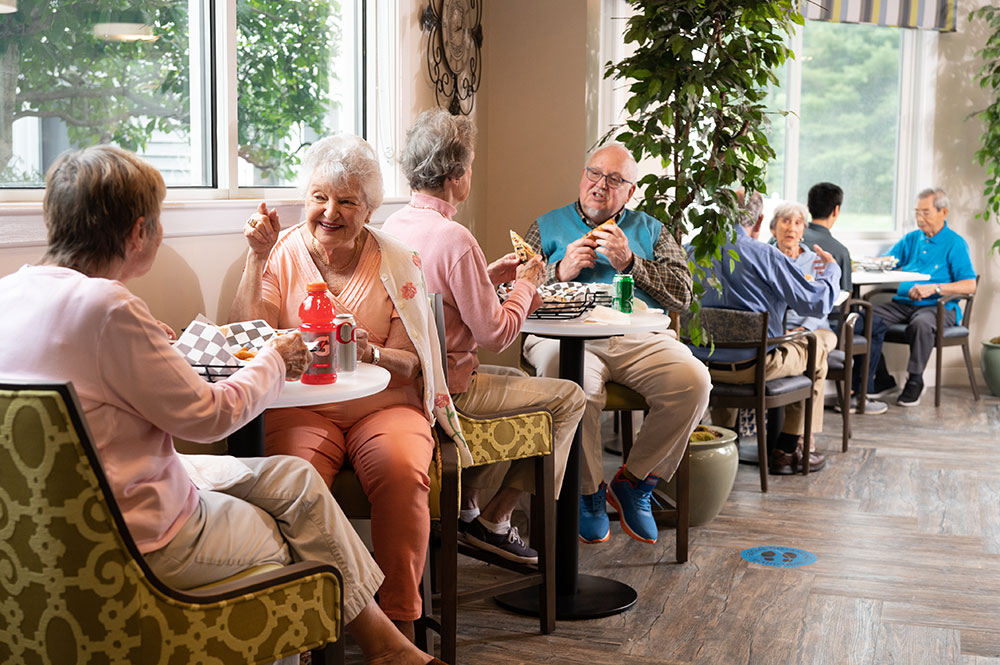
220, 95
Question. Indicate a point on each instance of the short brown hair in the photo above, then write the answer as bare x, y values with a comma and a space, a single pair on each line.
93, 198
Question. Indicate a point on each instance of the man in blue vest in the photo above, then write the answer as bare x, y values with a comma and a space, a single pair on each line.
673, 382
936, 250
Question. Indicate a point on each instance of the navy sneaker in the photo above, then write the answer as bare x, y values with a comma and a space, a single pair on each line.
595, 527
632, 503
508, 545
912, 390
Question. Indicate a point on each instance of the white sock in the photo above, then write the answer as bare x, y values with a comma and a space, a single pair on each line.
468, 514
495, 527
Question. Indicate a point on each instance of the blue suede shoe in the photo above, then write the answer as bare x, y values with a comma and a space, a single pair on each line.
594, 524
632, 504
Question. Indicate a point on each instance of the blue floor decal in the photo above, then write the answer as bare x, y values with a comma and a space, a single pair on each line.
779, 557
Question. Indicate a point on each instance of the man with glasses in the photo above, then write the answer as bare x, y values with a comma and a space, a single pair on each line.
674, 383
933, 249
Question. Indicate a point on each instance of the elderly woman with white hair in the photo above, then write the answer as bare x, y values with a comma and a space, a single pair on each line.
386, 436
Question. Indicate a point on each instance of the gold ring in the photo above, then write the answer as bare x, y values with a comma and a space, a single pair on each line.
252, 222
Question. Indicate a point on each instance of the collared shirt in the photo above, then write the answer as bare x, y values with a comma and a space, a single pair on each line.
817, 234
944, 256
665, 278
764, 280
806, 261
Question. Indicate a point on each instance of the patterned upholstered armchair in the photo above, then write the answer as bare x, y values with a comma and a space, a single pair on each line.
76, 590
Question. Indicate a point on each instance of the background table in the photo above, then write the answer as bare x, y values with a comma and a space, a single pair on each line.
248, 441
578, 596
861, 278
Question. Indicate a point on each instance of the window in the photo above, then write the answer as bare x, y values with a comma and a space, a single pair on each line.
214, 108
849, 96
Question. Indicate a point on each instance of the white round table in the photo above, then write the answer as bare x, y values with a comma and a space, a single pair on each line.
868, 277
365, 380
578, 596
248, 441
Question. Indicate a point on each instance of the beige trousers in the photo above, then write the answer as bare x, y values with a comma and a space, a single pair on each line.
490, 392
283, 514
786, 360
675, 384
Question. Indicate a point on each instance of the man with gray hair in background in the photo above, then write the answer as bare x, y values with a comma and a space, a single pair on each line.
936, 250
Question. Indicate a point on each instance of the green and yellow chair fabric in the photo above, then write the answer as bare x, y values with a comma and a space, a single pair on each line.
75, 588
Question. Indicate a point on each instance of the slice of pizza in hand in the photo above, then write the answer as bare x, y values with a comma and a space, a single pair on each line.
521, 248
605, 225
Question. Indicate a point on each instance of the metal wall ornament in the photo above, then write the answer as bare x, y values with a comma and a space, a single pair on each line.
454, 51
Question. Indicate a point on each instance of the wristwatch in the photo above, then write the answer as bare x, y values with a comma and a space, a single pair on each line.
937, 289
375, 355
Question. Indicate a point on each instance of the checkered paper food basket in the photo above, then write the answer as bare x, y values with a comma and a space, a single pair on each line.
211, 349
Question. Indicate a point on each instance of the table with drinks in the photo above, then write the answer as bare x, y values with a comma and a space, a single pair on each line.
333, 375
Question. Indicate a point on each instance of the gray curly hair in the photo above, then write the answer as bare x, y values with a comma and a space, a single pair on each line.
344, 159
789, 211
439, 145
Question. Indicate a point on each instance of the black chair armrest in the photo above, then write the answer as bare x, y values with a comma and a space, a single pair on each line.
878, 291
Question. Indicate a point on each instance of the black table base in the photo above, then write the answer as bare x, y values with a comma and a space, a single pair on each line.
577, 596
595, 597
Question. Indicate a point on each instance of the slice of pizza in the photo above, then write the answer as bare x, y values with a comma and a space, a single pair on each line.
590, 234
521, 248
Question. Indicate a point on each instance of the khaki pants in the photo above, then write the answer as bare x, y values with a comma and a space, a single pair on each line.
786, 360
283, 514
490, 392
675, 384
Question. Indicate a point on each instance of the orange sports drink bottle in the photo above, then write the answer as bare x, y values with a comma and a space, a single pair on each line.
317, 315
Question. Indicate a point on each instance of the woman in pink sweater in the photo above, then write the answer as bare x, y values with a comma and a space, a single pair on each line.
437, 160
102, 208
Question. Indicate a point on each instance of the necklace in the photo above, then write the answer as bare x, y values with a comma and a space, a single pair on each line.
323, 257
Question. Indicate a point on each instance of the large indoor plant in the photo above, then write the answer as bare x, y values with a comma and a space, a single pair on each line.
988, 155
698, 80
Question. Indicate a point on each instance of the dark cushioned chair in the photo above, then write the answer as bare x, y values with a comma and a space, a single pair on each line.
84, 594
946, 336
733, 329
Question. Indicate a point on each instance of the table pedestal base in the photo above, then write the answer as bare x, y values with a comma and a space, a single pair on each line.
595, 597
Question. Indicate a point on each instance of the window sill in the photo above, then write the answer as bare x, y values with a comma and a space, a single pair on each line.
23, 226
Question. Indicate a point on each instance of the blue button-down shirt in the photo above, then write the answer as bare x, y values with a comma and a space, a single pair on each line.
765, 280
945, 257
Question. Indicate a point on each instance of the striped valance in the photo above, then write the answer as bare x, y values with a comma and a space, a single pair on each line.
926, 14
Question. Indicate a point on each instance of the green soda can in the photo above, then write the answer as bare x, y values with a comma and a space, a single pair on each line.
624, 293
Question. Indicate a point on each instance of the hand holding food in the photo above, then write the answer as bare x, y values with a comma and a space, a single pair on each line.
612, 242
503, 269
294, 352
592, 234
533, 271
579, 255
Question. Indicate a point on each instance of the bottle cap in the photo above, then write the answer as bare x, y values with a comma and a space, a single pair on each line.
313, 287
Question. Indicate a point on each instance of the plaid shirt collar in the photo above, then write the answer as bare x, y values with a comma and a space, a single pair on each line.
579, 211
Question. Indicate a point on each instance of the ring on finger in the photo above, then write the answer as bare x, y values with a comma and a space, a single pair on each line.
252, 223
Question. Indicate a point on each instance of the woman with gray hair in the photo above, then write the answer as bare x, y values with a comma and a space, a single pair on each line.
373, 276
437, 161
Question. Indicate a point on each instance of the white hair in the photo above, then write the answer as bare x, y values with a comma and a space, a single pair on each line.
344, 159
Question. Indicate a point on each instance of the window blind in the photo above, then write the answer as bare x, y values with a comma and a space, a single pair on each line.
922, 14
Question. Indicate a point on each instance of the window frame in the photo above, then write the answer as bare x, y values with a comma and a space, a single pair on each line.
220, 90
914, 139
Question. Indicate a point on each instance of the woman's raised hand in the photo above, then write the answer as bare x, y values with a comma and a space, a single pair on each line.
261, 230
294, 352
532, 270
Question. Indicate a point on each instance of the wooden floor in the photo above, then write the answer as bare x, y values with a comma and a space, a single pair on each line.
906, 527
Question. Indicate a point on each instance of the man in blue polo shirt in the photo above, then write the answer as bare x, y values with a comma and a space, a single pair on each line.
938, 251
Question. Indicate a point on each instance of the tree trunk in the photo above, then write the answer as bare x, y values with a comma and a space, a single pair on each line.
9, 68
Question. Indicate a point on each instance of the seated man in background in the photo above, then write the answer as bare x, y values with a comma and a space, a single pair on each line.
102, 213
787, 227
825, 199
764, 280
437, 161
675, 385
934, 249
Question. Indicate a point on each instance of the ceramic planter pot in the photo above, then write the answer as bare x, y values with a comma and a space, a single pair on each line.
989, 362
713, 472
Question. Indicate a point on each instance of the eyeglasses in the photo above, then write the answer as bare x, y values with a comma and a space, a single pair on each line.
613, 179
920, 214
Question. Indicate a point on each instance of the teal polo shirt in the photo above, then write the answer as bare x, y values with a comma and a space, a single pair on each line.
945, 257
